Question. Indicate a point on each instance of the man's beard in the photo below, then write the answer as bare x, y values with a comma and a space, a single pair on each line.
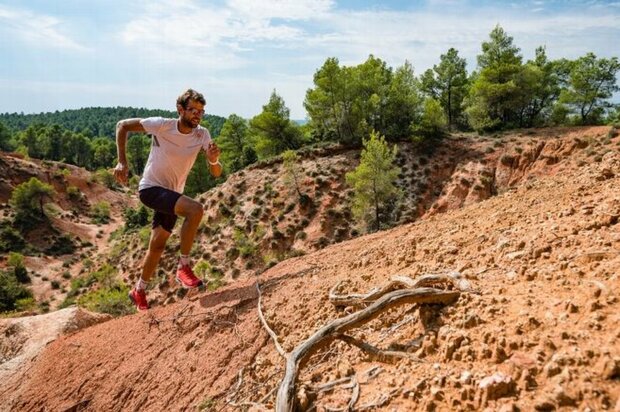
188, 123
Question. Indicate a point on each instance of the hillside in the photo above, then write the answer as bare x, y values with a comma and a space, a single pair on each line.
58, 250
255, 219
529, 220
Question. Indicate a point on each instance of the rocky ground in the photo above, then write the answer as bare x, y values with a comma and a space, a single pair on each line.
539, 330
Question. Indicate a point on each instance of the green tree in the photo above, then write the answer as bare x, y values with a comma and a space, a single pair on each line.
448, 83
27, 199
104, 153
51, 141
327, 103
293, 170
403, 105
233, 140
138, 148
81, 151
372, 81
592, 81
29, 138
373, 182
347, 102
273, 131
494, 96
433, 123
540, 82
5, 138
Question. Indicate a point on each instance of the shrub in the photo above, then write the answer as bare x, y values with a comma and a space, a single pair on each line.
136, 218
100, 212
62, 245
10, 239
73, 193
11, 292
112, 300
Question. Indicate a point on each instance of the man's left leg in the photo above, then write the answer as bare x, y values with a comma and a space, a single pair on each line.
192, 213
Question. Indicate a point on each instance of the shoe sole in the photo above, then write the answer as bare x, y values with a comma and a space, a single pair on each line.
134, 302
185, 286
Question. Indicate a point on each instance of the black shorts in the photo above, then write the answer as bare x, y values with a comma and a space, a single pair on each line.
162, 201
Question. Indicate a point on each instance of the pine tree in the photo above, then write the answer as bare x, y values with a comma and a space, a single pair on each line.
373, 182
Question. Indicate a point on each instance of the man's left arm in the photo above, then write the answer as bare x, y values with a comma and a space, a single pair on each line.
213, 158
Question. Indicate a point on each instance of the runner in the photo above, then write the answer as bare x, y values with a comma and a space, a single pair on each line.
174, 148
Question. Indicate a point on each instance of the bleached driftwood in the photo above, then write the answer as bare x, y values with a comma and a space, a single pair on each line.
285, 401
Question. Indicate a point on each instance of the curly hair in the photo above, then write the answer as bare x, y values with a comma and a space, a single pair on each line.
190, 94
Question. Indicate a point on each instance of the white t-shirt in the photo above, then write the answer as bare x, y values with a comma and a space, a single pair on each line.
172, 153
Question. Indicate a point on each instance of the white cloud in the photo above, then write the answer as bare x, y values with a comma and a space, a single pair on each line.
211, 37
36, 29
283, 9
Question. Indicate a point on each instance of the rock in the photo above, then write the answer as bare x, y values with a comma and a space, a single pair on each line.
522, 360
544, 404
610, 368
344, 369
552, 369
562, 398
494, 387
465, 377
454, 343
510, 407
471, 321
499, 355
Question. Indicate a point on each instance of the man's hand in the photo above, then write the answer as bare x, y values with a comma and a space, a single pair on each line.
213, 152
121, 173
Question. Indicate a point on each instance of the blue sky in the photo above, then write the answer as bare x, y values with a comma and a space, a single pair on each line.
57, 55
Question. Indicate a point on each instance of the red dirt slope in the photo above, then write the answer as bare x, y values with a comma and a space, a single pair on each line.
542, 334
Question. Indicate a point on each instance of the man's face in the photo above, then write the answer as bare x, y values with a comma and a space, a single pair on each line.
192, 114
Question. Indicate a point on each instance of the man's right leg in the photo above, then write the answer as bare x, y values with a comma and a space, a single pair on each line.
159, 236
157, 244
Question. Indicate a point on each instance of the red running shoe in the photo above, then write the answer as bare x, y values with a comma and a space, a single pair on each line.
186, 277
138, 297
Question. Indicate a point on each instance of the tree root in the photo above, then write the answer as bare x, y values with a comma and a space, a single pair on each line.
398, 282
385, 356
285, 401
271, 333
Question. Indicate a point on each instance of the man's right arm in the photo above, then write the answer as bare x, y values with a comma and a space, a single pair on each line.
121, 171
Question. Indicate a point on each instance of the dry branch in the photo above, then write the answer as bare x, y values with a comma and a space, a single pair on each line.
378, 354
271, 333
285, 401
397, 282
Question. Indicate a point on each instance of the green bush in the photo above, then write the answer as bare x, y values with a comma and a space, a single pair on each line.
10, 239
11, 292
74, 193
100, 212
136, 218
112, 300
62, 245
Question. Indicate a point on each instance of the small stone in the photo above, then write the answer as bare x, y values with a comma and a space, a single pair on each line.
499, 355
552, 369
611, 368
562, 398
465, 377
544, 405
496, 386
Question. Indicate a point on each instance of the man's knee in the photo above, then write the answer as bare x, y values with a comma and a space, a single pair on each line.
158, 239
195, 211
189, 208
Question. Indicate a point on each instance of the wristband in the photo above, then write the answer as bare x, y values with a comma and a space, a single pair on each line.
217, 162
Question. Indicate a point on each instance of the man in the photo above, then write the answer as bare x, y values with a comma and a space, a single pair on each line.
175, 145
